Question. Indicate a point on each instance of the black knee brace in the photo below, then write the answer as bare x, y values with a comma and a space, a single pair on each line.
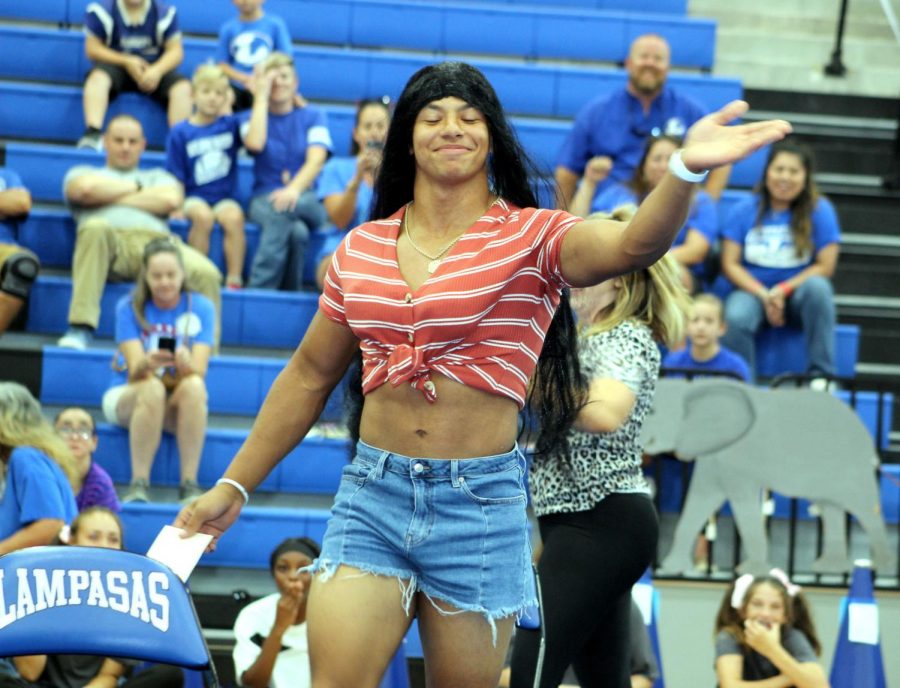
18, 273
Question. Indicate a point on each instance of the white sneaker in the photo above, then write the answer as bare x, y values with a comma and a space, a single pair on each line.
823, 384
75, 339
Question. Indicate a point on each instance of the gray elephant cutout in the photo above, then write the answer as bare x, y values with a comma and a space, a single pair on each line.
797, 442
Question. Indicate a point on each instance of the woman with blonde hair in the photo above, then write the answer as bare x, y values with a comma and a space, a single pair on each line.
597, 522
38, 498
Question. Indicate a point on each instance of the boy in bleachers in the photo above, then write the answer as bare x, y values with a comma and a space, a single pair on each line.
135, 45
246, 41
18, 266
706, 324
201, 153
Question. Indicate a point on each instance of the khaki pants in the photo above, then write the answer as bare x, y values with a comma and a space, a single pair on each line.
103, 253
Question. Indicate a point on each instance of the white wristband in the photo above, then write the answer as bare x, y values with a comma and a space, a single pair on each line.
236, 485
678, 168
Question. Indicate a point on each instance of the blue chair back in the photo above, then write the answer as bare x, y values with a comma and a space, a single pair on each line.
95, 601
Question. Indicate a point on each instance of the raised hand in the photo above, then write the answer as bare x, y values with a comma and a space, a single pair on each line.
710, 142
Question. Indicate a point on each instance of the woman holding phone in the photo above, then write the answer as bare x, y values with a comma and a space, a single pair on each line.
164, 336
346, 183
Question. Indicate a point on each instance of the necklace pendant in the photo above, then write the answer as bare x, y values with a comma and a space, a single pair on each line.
433, 265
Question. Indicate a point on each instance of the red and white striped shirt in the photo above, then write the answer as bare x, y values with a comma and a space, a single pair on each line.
480, 319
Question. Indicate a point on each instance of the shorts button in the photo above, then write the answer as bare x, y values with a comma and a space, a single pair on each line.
408, 298
429, 386
410, 336
418, 468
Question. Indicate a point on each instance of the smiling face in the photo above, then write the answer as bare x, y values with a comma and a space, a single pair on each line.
98, 529
451, 141
284, 85
124, 142
765, 604
785, 179
657, 161
648, 64
165, 278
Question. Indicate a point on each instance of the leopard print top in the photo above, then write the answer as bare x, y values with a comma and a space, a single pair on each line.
600, 464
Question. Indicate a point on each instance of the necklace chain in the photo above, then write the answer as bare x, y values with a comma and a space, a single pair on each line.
435, 259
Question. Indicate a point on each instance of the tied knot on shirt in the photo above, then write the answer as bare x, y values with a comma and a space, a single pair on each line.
407, 364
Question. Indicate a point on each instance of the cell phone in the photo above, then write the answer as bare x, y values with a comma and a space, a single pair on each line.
167, 343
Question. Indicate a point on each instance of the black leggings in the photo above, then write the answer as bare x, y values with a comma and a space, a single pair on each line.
589, 562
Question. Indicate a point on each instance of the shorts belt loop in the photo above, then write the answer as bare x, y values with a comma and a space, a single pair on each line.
454, 472
379, 467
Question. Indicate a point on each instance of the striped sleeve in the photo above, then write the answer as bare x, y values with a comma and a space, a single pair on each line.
331, 302
551, 227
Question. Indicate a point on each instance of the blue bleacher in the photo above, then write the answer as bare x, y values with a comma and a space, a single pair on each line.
313, 467
782, 350
247, 316
528, 31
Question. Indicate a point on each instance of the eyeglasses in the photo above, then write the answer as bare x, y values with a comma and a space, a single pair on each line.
79, 433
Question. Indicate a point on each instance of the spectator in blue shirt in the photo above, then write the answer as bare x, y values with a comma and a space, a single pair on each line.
37, 499
345, 185
245, 42
165, 337
701, 228
704, 352
201, 153
135, 45
779, 250
609, 132
289, 144
18, 266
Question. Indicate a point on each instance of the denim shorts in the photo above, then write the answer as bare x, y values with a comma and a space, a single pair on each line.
454, 529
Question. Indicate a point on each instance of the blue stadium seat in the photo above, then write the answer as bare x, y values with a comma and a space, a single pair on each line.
246, 544
528, 31
313, 467
56, 11
781, 350
890, 492
247, 315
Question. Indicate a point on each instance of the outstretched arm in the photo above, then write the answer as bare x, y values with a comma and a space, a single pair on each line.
593, 251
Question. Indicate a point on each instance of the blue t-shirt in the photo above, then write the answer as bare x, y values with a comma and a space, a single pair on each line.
204, 157
36, 488
725, 361
287, 139
9, 229
192, 321
701, 216
615, 125
767, 249
243, 45
335, 177
147, 38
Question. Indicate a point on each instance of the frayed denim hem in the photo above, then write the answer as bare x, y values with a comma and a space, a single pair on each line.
325, 570
409, 586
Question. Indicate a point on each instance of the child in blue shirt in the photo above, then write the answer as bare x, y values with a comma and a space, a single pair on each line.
135, 45
704, 353
245, 42
201, 153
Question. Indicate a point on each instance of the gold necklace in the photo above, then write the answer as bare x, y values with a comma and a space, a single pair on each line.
434, 261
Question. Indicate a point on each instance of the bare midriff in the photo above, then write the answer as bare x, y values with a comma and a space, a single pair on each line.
462, 423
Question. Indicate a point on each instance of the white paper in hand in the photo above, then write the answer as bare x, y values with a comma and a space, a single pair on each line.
178, 553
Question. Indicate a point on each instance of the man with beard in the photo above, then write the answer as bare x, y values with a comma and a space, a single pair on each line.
610, 132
